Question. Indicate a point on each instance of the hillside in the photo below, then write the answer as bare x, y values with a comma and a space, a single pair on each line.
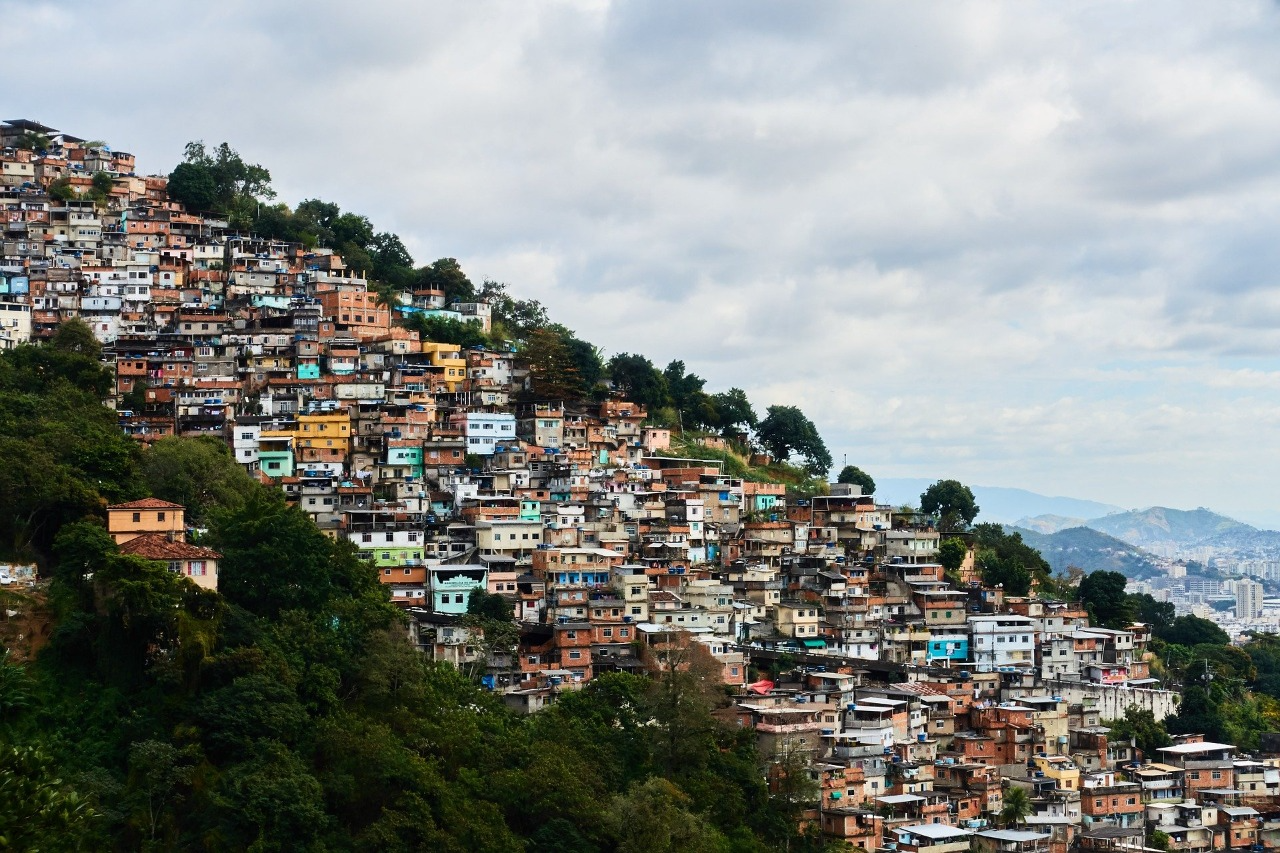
999, 504
1049, 523
1090, 550
1164, 526
738, 464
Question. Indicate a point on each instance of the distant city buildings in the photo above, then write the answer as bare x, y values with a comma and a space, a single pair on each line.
1249, 603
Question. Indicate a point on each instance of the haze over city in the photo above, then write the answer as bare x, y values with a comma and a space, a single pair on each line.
1025, 245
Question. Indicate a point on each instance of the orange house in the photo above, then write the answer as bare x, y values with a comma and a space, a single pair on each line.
149, 515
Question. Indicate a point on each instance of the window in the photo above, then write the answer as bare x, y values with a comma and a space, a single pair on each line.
137, 517
574, 654
386, 571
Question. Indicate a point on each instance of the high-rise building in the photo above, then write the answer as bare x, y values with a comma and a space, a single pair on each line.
1248, 599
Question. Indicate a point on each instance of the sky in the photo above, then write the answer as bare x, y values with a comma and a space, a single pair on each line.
1027, 244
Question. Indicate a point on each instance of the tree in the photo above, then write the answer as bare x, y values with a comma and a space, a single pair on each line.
734, 410
785, 430
392, 262
198, 473
489, 605
32, 140
586, 358
1140, 726
1102, 594
274, 558
636, 379
158, 773
446, 275
1191, 631
654, 817
856, 476
237, 187
952, 502
1151, 612
100, 186
517, 317
61, 190
1013, 576
697, 408
273, 802
447, 330
951, 554
39, 810
553, 375
1017, 806
192, 185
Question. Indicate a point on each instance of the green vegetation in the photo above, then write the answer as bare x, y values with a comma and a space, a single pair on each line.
737, 463
289, 712
220, 182
786, 431
856, 476
1003, 559
1102, 594
952, 503
951, 554
1090, 550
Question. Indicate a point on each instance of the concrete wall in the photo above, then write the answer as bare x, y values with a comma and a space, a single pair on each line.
1114, 700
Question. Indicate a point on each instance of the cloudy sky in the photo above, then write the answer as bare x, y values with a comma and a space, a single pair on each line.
1020, 244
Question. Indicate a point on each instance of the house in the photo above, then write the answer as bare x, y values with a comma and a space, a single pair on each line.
149, 515
191, 561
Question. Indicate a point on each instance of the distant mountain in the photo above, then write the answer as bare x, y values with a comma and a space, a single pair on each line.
1049, 523
1090, 550
997, 503
1163, 526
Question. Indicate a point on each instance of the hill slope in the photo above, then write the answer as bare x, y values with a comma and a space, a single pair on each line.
1090, 550
1049, 523
998, 503
1160, 525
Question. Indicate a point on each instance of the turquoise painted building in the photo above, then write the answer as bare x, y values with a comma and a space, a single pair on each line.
451, 587
276, 463
948, 647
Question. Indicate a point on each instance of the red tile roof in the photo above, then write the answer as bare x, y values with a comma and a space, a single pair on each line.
157, 546
147, 503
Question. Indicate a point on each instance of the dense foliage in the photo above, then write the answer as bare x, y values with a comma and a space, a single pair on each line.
1004, 560
951, 502
290, 712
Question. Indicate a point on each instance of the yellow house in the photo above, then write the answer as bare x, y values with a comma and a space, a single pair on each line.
149, 515
324, 425
798, 619
448, 364
1060, 768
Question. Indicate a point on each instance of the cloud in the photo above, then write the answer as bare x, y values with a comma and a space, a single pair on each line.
1029, 244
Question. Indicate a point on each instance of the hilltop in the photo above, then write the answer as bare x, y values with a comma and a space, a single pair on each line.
1090, 550
1160, 525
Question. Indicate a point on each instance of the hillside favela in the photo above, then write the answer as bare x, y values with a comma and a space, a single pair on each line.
311, 547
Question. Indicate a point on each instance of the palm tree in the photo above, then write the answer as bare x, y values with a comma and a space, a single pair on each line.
1017, 805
